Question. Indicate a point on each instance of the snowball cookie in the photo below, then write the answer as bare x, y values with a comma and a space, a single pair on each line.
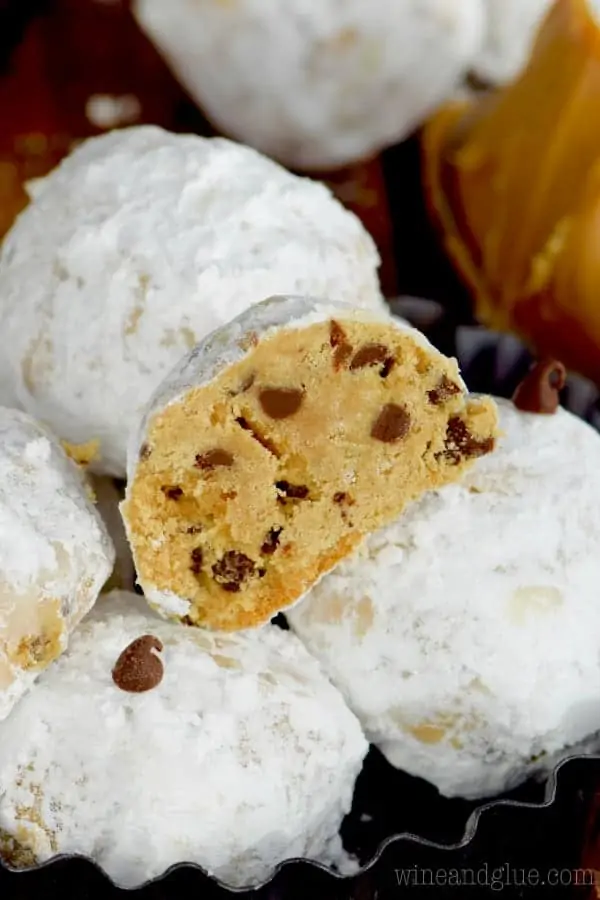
277, 444
55, 553
316, 84
135, 248
149, 744
465, 636
511, 28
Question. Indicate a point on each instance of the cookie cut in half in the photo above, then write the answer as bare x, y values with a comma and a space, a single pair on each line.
278, 444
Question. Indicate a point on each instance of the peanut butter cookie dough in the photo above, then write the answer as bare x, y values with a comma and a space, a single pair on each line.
55, 553
278, 444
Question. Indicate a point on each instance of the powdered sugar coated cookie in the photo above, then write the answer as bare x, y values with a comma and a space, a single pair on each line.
136, 247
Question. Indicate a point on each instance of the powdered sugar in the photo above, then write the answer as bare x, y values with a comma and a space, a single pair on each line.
465, 636
244, 755
54, 552
135, 248
317, 84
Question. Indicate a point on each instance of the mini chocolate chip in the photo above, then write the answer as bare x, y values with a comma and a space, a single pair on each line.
173, 493
339, 343
343, 499
271, 541
138, 668
539, 390
145, 452
461, 444
280, 403
261, 573
193, 529
196, 557
392, 424
387, 367
443, 391
213, 458
232, 570
292, 491
373, 355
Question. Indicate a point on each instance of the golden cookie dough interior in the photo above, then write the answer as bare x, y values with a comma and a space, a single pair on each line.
252, 486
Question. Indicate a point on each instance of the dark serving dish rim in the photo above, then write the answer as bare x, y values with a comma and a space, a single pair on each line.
470, 832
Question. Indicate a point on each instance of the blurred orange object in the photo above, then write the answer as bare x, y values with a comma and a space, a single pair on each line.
513, 182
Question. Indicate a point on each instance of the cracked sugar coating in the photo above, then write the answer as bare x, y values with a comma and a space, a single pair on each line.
317, 84
55, 553
137, 246
241, 756
278, 444
465, 636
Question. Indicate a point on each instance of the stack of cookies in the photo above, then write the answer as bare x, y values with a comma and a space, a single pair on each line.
192, 320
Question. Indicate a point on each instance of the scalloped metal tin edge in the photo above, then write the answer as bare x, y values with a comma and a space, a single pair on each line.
470, 833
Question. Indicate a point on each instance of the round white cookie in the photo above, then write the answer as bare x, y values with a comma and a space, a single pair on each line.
316, 84
465, 636
55, 553
242, 756
137, 246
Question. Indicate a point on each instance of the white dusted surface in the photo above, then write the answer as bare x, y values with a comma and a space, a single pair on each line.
316, 83
55, 553
138, 245
466, 635
243, 755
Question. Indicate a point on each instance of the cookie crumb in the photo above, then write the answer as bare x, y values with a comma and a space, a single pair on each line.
82, 454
